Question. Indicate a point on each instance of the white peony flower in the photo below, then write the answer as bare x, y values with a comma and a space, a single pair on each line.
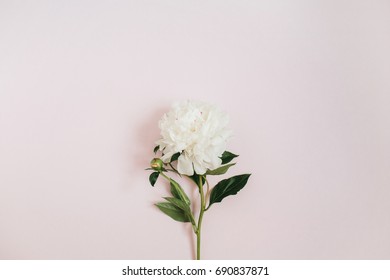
198, 131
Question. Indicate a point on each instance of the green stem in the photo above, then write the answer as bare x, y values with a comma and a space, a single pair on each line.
165, 176
207, 193
202, 209
197, 227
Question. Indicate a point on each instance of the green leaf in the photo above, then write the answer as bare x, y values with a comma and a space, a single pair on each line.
178, 192
196, 178
175, 157
172, 211
230, 186
183, 206
178, 203
156, 149
163, 169
153, 178
227, 157
220, 170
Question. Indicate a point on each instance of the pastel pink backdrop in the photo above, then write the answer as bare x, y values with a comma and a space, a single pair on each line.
83, 84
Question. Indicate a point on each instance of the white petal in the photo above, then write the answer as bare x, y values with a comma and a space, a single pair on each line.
199, 169
184, 165
217, 162
199, 131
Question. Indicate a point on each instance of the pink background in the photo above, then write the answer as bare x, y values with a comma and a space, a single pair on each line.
307, 87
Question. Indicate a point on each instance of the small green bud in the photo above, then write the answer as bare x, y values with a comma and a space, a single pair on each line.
157, 164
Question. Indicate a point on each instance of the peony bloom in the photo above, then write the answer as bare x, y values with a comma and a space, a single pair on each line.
196, 130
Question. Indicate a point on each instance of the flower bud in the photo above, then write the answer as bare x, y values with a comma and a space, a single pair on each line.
157, 164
